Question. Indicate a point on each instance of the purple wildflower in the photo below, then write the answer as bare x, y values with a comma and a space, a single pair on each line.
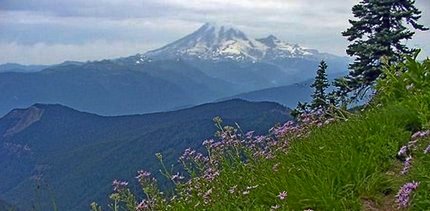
208, 143
141, 175
210, 174
260, 139
143, 205
249, 134
199, 156
407, 165
177, 177
217, 145
427, 150
319, 112
404, 194
402, 152
420, 134
119, 185
281, 131
188, 154
282, 195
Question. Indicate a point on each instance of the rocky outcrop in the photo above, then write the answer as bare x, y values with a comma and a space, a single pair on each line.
20, 119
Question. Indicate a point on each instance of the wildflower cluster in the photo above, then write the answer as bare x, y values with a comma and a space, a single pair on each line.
118, 186
196, 187
404, 194
405, 152
282, 195
407, 165
232, 147
319, 117
427, 150
123, 197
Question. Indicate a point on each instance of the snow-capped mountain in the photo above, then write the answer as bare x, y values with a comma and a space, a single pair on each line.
227, 54
212, 42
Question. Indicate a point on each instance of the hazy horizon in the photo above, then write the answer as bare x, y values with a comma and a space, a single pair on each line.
49, 32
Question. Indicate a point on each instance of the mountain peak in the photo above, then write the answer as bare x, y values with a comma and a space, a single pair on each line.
209, 42
271, 37
223, 42
219, 33
227, 32
270, 41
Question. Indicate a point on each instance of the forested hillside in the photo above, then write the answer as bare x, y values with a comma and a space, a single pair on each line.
55, 153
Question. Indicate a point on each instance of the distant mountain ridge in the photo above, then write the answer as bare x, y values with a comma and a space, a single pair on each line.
211, 63
100, 87
288, 95
14, 67
19, 68
79, 154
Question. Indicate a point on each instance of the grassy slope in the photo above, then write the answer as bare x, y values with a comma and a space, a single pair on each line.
344, 166
350, 165
339, 167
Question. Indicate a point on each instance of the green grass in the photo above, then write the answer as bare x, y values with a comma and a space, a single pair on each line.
340, 166
335, 168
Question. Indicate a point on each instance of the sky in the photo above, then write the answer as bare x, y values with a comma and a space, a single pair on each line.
53, 31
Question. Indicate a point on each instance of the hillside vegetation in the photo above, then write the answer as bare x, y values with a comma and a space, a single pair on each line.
374, 159
55, 153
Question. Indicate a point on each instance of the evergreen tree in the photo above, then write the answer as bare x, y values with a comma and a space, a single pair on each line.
300, 109
320, 85
339, 96
378, 31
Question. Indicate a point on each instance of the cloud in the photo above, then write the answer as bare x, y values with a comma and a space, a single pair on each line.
42, 53
149, 23
216, 5
29, 28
